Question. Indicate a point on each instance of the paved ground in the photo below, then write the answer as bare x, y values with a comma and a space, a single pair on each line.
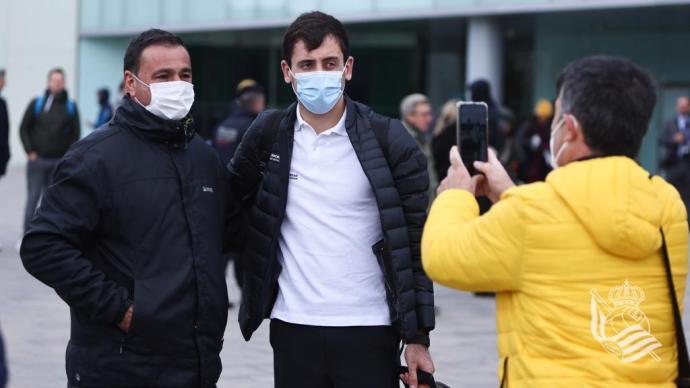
35, 324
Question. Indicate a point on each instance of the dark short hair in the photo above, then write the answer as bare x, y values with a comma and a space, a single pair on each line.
312, 28
56, 70
2, 73
148, 38
613, 100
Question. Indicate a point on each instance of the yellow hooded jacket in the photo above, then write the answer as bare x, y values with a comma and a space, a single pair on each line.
582, 298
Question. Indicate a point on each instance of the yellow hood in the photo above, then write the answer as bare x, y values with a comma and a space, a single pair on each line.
616, 201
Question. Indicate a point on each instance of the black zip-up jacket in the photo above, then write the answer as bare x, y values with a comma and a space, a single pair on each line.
398, 175
138, 214
51, 133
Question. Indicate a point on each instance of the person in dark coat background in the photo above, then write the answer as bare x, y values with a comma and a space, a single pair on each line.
106, 110
533, 137
4, 158
250, 101
49, 127
4, 129
131, 235
675, 140
480, 91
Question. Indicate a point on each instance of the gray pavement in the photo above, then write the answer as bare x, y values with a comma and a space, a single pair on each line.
35, 324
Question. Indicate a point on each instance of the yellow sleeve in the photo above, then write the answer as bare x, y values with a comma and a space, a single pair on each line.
462, 250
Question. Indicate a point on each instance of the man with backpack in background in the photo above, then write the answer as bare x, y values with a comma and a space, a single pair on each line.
49, 127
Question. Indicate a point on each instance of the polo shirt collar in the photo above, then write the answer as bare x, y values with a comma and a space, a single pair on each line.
338, 129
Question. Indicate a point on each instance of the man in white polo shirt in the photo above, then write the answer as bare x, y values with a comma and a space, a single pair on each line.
337, 197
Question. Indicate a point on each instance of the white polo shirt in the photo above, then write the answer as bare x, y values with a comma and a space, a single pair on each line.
330, 274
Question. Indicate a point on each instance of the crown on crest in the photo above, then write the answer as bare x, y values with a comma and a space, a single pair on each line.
626, 295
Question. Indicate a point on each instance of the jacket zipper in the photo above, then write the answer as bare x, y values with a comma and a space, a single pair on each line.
196, 278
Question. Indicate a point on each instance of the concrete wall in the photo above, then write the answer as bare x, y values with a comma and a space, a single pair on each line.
35, 36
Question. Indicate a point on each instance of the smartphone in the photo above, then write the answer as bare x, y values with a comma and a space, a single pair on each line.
473, 133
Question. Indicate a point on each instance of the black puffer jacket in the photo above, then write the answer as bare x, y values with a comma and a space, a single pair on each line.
136, 215
398, 175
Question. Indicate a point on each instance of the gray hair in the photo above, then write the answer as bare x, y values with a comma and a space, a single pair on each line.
409, 104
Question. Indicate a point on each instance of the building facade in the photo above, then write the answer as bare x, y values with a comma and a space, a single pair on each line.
400, 46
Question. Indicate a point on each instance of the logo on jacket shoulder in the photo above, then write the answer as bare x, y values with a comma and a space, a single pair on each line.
207, 189
623, 329
274, 158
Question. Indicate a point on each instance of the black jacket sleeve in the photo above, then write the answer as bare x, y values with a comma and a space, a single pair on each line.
409, 167
26, 126
247, 165
52, 248
234, 234
4, 137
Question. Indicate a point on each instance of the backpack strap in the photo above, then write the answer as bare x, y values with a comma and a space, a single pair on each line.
504, 380
380, 125
38, 104
683, 379
41, 100
269, 134
70, 109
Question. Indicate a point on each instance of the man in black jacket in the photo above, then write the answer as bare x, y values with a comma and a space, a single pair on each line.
338, 198
49, 127
131, 232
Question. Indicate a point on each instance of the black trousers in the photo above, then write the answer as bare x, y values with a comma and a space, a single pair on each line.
334, 357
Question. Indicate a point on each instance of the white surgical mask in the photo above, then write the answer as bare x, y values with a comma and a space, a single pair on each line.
170, 100
556, 154
319, 91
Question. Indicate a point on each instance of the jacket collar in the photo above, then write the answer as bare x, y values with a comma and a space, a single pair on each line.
175, 133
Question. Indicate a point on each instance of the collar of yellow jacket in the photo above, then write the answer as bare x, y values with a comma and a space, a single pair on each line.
616, 201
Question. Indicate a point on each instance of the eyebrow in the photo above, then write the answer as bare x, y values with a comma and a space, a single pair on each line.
310, 61
169, 70
306, 62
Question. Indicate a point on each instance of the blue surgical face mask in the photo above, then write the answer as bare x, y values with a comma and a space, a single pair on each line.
319, 91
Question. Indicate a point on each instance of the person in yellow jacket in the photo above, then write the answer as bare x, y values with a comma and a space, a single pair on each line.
581, 293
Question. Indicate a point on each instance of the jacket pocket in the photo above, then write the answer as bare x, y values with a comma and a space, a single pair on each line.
135, 339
